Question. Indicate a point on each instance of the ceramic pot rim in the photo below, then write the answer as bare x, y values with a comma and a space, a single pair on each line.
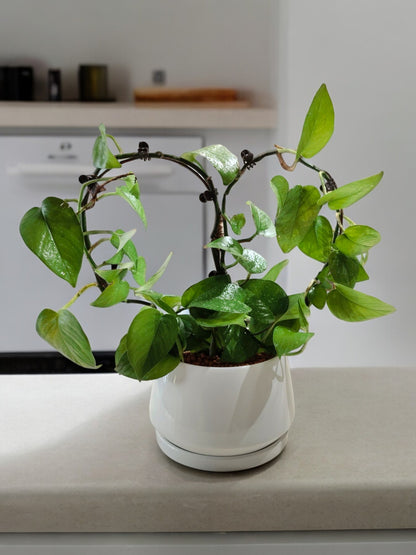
271, 360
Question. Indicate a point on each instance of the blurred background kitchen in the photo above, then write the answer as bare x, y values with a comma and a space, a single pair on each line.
275, 54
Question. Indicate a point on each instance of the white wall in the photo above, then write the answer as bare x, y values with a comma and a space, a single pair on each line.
364, 51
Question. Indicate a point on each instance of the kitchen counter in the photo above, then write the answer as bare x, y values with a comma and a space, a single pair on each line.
39, 115
78, 454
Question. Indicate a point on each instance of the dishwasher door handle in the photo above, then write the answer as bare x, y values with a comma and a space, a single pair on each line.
71, 170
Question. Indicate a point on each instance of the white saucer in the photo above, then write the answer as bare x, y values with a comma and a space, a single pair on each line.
219, 463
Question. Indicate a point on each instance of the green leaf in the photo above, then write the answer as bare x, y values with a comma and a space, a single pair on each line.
102, 156
269, 293
227, 244
122, 363
155, 277
350, 193
63, 332
318, 125
297, 216
317, 242
163, 367
216, 293
297, 310
286, 341
267, 300
237, 222
353, 306
262, 221
357, 239
193, 336
131, 194
362, 274
112, 275
114, 293
139, 271
250, 260
280, 187
317, 296
324, 278
120, 239
214, 319
162, 301
52, 232
150, 337
224, 161
239, 344
275, 270
344, 269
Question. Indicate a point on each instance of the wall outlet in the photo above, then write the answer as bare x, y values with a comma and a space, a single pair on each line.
158, 76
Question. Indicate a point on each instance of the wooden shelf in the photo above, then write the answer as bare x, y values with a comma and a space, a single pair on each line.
19, 115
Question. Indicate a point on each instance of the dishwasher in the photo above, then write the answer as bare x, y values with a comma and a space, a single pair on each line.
35, 167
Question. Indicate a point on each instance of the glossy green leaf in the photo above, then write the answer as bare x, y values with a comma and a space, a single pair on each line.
317, 242
150, 337
224, 161
267, 300
193, 336
297, 216
250, 260
237, 222
317, 296
113, 294
353, 306
350, 193
227, 244
262, 221
318, 125
286, 341
239, 345
269, 293
63, 332
52, 232
216, 293
344, 269
101, 154
357, 239
131, 194
213, 318
280, 187
275, 270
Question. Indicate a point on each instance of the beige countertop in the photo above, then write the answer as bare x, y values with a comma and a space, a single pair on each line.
16, 115
78, 454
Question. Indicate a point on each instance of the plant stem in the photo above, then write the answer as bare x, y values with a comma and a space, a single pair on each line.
78, 294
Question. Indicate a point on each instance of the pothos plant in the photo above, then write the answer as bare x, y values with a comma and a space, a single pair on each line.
231, 321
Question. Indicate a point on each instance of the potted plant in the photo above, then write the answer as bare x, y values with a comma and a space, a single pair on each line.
222, 396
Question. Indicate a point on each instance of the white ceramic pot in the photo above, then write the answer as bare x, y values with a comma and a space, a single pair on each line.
223, 419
